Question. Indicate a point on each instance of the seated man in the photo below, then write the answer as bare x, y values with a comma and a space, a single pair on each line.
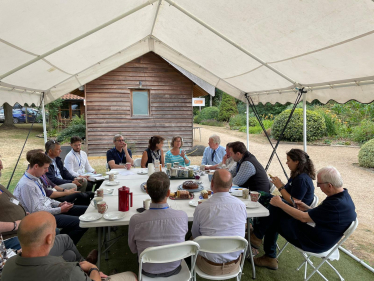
160, 225
30, 193
76, 162
37, 235
61, 194
316, 230
11, 214
213, 154
249, 172
226, 160
57, 173
119, 154
221, 215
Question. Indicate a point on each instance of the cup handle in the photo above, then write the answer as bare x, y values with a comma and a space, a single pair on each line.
259, 195
106, 208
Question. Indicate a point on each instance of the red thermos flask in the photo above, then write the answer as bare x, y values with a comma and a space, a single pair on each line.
123, 199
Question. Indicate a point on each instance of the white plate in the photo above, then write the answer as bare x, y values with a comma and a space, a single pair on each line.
107, 177
143, 172
252, 205
108, 191
113, 216
90, 217
193, 203
111, 183
112, 172
238, 193
200, 188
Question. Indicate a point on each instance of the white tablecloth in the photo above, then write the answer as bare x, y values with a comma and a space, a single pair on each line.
134, 182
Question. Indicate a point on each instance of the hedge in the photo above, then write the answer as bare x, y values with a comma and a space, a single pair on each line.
316, 127
366, 155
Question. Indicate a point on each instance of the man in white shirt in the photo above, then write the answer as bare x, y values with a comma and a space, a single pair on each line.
221, 215
76, 162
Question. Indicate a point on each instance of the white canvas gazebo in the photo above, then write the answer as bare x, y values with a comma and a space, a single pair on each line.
264, 48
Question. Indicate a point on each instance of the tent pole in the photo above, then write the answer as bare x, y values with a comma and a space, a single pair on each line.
44, 120
304, 122
247, 125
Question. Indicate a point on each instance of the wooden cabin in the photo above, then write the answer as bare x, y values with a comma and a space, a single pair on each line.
72, 105
142, 98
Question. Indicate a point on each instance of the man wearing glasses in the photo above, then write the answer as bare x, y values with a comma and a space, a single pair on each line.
119, 155
315, 230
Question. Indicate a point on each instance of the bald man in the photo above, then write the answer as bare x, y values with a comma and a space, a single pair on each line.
221, 215
36, 234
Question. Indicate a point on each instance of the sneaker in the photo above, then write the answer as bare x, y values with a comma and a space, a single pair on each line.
255, 242
265, 261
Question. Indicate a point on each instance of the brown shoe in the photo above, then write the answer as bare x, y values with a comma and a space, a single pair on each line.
255, 242
268, 262
92, 256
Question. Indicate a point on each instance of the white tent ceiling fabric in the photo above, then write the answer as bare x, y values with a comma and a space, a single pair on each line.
264, 48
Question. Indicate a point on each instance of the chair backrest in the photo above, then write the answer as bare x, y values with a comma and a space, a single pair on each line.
169, 253
137, 162
107, 167
315, 202
221, 244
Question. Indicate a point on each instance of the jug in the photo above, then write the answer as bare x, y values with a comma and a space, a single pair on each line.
151, 168
123, 199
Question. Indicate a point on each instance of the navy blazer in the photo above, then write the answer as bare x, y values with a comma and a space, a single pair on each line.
51, 174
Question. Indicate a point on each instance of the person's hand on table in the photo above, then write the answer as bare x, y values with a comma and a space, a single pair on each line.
301, 205
277, 182
276, 201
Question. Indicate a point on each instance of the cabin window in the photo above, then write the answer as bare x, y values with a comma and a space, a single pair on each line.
140, 103
64, 110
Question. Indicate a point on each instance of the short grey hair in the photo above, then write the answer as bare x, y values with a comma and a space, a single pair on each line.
331, 175
117, 137
216, 139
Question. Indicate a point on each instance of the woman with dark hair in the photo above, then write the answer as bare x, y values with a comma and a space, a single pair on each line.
154, 152
176, 154
300, 185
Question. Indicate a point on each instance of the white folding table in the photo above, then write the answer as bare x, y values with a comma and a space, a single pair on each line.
134, 181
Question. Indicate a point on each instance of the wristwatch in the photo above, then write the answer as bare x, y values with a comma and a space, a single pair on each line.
280, 189
92, 269
15, 226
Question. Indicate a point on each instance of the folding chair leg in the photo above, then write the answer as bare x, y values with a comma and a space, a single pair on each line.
278, 249
336, 271
314, 271
281, 250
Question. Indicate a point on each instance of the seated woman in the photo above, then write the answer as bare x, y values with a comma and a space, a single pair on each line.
154, 152
176, 154
227, 160
300, 185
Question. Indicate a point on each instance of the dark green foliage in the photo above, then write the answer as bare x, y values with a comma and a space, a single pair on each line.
227, 108
316, 127
77, 127
239, 120
53, 113
364, 131
209, 113
366, 155
212, 122
353, 112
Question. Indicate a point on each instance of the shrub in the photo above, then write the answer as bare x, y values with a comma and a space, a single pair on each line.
366, 155
316, 127
241, 120
212, 122
209, 113
332, 123
227, 108
363, 132
257, 129
197, 119
77, 127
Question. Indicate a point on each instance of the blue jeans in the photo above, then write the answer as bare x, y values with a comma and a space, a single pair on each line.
277, 222
13, 243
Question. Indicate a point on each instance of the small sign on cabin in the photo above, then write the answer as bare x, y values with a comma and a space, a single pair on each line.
198, 102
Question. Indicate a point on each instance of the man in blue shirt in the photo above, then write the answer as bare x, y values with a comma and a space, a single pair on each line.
118, 154
214, 153
315, 230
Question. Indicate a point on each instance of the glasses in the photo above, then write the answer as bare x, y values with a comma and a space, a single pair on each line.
319, 183
121, 140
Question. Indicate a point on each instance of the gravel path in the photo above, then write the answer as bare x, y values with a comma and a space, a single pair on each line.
358, 181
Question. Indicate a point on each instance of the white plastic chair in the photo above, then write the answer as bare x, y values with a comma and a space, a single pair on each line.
221, 245
313, 205
170, 253
137, 162
332, 254
107, 168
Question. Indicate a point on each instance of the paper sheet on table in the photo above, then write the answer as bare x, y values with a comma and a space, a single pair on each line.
126, 173
96, 178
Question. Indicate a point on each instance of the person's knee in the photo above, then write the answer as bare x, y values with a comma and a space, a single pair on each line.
124, 276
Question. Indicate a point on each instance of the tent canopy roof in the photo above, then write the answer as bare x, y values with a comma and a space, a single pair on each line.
264, 48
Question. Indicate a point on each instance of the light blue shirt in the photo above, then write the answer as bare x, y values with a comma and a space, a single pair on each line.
221, 215
217, 159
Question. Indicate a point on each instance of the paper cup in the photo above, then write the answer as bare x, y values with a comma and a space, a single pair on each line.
146, 204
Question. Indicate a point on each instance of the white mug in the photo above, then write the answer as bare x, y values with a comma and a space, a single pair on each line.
95, 200
147, 204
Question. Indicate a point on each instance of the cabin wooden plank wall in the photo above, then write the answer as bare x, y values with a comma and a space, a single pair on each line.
108, 105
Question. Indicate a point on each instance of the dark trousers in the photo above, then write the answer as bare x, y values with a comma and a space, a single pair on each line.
93, 184
82, 198
278, 222
69, 222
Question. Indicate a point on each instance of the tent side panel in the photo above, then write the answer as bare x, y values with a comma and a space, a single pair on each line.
108, 105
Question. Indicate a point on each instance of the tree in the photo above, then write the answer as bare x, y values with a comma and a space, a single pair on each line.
227, 108
8, 114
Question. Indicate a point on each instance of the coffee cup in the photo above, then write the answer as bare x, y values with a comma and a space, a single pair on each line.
168, 166
147, 204
100, 192
176, 165
255, 196
185, 173
202, 167
111, 177
245, 193
128, 166
174, 172
102, 207
96, 200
